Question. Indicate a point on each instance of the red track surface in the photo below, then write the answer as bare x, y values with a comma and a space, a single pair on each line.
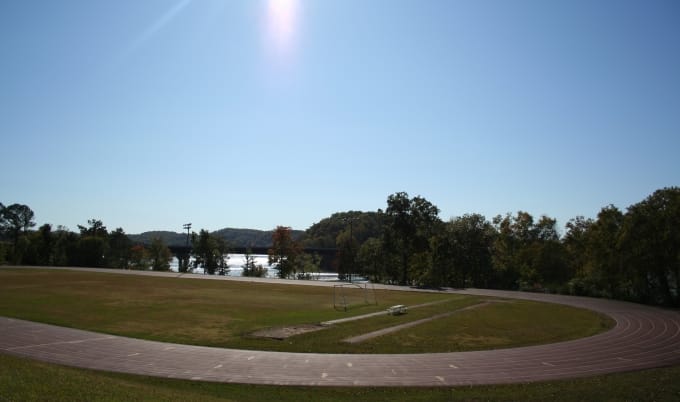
643, 337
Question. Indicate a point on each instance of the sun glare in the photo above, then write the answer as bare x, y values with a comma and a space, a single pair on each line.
282, 16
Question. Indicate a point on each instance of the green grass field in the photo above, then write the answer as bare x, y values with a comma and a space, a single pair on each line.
226, 313
25, 381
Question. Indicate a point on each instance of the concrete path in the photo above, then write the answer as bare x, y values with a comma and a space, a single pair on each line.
389, 330
643, 337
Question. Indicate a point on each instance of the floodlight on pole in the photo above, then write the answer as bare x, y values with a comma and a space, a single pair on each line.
187, 226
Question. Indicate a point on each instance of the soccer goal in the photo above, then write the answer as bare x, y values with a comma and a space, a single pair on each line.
346, 295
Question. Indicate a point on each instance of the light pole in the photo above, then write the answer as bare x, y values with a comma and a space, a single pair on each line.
350, 220
187, 226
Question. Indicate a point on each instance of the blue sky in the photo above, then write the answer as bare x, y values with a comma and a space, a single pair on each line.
150, 114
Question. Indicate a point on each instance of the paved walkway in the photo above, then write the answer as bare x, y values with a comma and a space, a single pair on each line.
644, 337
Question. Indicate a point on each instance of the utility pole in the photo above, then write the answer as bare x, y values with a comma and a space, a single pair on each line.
350, 220
187, 226
185, 263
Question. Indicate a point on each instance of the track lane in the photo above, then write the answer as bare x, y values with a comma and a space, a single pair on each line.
643, 337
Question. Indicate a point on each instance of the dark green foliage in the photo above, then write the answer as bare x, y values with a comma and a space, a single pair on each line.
632, 255
233, 237
249, 267
210, 253
410, 224
327, 232
285, 252
119, 249
159, 255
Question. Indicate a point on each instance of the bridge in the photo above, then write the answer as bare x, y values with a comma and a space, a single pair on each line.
323, 252
327, 255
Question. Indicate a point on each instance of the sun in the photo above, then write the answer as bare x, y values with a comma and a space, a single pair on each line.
282, 22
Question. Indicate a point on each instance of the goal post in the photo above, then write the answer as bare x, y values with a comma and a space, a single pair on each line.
346, 295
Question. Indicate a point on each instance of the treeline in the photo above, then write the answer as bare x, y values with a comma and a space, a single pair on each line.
234, 237
93, 246
632, 255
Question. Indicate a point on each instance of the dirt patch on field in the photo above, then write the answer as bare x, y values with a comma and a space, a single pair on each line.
286, 332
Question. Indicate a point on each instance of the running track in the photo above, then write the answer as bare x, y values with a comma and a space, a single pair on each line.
644, 337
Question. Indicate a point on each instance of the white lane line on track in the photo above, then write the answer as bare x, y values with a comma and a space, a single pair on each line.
60, 343
453, 366
547, 364
218, 366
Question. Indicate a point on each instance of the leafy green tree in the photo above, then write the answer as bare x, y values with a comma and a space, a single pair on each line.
4, 250
65, 247
325, 233
347, 252
605, 260
284, 252
527, 254
139, 257
462, 253
308, 266
223, 256
410, 223
93, 245
374, 261
575, 244
209, 253
91, 252
38, 247
119, 249
96, 228
250, 268
650, 244
159, 255
15, 220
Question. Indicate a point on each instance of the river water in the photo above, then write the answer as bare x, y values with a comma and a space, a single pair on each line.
236, 262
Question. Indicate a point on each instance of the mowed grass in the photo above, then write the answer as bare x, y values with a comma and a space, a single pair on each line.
25, 380
226, 313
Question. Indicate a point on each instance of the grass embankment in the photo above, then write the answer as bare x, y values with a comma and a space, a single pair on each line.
226, 313
26, 380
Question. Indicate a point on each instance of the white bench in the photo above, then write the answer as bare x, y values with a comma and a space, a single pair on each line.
396, 310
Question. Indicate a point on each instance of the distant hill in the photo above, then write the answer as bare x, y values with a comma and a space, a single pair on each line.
234, 237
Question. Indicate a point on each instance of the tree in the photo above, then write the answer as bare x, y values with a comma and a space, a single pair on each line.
119, 249
15, 220
93, 245
159, 255
139, 257
249, 267
96, 228
209, 253
605, 262
307, 266
411, 222
650, 245
529, 254
462, 252
65, 247
39, 247
347, 252
284, 252
575, 243
374, 262
325, 233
